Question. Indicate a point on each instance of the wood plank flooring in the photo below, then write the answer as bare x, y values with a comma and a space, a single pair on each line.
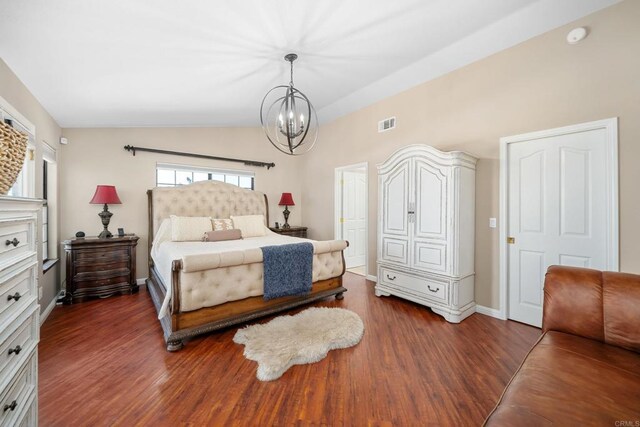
104, 363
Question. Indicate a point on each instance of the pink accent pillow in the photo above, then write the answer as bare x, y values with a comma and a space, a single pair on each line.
220, 235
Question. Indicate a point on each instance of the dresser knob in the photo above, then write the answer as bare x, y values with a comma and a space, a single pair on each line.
11, 406
433, 290
391, 278
15, 296
15, 350
15, 242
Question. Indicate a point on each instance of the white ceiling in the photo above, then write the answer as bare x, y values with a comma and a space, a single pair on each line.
96, 63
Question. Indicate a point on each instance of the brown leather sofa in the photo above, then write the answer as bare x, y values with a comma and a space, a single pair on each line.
585, 369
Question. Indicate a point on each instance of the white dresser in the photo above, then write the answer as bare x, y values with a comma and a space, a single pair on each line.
19, 311
426, 229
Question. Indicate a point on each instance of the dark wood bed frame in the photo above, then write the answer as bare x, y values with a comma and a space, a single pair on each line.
178, 326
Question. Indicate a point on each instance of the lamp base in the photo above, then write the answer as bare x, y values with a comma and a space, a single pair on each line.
286, 213
105, 216
105, 234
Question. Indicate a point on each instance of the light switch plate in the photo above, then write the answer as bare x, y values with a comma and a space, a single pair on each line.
492, 223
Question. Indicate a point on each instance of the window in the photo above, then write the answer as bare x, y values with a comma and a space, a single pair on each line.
49, 194
168, 175
45, 214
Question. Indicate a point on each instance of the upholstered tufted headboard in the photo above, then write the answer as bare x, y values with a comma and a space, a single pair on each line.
205, 198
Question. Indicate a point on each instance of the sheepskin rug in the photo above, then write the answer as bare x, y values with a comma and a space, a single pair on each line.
303, 338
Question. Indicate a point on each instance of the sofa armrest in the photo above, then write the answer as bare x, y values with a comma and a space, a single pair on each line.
603, 306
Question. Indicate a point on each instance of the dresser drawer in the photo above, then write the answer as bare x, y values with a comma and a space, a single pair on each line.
22, 286
20, 338
16, 401
30, 416
432, 289
16, 240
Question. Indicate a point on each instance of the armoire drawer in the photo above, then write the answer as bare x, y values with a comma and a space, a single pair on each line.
432, 289
21, 337
16, 240
15, 292
16, 401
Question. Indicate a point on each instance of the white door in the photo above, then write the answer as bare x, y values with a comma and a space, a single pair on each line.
558, 207
354, 187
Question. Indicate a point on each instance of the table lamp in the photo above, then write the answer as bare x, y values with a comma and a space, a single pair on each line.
105, 195
286, 200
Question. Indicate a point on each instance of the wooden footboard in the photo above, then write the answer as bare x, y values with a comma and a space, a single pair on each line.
179, 326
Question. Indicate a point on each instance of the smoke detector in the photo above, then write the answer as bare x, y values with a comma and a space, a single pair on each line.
576, 35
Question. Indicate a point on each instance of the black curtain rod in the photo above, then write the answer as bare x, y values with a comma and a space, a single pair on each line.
199, 156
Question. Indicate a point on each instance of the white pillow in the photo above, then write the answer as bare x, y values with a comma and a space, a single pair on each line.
189, 228
250, 225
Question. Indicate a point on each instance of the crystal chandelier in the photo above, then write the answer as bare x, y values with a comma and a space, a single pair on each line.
288, 118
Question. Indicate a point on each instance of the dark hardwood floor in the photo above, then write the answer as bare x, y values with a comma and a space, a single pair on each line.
104, 363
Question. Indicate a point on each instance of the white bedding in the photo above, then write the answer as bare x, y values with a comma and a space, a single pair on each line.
200, 256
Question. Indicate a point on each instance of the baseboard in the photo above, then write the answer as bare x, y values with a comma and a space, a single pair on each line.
47, 311
372, 278
141, 282
488, 311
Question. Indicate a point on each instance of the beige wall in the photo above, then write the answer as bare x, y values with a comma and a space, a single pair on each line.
96, 156
540, 84
47, 130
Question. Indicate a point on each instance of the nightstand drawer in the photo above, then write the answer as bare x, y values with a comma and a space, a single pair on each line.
105, 269
16, 292
16, 240
84, 257
90, 284
20, 394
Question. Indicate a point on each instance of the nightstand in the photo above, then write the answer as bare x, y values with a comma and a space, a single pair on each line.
100, 267
291, 231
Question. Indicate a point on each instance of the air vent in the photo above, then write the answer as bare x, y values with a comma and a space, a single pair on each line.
386, 124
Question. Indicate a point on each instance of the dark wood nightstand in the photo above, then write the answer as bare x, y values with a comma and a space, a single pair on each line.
291, 231
100, 267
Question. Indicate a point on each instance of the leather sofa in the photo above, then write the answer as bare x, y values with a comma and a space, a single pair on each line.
585, 368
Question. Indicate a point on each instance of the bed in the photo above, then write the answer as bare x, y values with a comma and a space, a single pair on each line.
199, 287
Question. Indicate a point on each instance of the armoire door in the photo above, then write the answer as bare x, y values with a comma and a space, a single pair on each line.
395, 219
429, 251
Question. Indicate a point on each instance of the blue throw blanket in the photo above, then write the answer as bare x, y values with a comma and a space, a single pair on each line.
287, 269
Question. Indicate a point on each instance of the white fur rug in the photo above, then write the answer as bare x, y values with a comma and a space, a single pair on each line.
303, 338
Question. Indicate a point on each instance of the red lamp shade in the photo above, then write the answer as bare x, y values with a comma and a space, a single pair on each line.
286, 200
105, 195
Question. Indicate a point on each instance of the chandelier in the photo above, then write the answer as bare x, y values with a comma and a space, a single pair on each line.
288, 118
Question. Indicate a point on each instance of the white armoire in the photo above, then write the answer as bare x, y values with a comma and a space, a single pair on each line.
426, 229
